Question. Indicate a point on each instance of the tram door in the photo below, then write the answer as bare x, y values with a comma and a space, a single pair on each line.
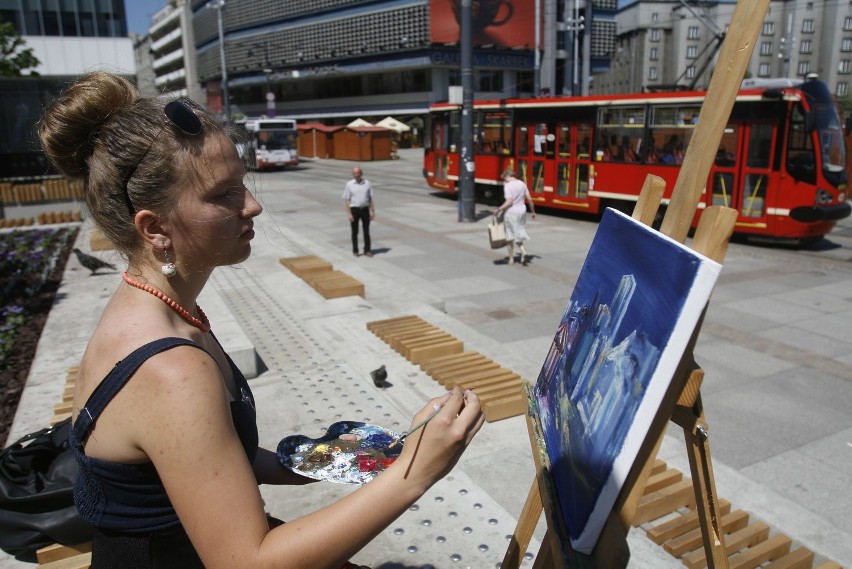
440, 146
532, 151
573, 162
741, 171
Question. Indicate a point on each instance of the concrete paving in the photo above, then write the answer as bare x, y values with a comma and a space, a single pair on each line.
775, 346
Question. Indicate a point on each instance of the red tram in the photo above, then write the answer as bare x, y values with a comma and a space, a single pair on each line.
781, 161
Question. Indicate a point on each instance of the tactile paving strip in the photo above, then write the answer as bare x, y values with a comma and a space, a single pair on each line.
278, 336
455, 524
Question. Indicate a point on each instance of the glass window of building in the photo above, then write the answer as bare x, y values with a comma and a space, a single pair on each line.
655, 34
766, 48
804, 68
691, 51
846, 44
842, 89
763, 70
652, 73
844, 66
808, 26
690, 72
490, 80
692, 33
805, 46
768, 28
847, 23
653, 54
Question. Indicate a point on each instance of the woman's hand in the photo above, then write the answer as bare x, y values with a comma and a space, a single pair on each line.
431, 452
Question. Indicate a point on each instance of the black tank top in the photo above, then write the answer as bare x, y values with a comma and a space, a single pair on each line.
129, 499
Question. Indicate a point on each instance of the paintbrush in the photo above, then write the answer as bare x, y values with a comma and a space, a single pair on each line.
417, 426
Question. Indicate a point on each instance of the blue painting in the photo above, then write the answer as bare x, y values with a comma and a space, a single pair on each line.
634, 308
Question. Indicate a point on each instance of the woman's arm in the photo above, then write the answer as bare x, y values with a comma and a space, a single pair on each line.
192, 442
530, 201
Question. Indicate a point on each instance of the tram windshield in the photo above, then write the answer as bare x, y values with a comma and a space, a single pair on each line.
832, 146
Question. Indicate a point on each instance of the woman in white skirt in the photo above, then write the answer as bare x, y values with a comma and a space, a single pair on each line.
516, 195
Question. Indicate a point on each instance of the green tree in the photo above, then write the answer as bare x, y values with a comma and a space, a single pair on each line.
14, 57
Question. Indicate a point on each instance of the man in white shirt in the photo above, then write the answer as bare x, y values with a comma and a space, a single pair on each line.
358, 197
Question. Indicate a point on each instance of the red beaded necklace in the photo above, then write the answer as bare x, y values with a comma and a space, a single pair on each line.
202, 324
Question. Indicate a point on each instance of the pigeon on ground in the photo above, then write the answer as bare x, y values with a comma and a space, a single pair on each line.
379, 376
91, 263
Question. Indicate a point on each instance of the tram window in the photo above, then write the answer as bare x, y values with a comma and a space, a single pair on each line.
540, 139
727, 152
495, 129
723, 183
671, 131
801, 159
562, 179
537, 183
754, 196
523, 140
620, 138
759, 145
584, 137
564, 142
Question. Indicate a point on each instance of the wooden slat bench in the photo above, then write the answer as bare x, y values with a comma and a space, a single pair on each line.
57, 556
321, 276
443, 358
667, 514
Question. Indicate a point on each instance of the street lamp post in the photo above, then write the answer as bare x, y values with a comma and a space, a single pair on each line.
226, 104
267, 70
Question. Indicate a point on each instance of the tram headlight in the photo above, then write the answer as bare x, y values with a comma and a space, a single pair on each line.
823, 196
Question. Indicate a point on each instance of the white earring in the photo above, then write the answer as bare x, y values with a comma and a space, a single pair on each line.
168, 269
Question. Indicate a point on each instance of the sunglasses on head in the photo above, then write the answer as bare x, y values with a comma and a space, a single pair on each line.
180, 115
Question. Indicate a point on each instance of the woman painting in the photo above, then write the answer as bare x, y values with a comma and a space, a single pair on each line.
166, 439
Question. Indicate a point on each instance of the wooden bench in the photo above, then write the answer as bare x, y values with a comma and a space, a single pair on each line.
667, 514
58, 556
443, 358
320, 275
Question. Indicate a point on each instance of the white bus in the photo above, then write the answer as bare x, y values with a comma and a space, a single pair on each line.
269, 143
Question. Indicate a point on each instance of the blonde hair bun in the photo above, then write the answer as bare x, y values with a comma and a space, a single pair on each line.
70, 125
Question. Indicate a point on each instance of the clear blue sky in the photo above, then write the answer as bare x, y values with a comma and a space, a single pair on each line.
139, 14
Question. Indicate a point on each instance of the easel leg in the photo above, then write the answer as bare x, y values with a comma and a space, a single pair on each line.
703, 482
524, 530
546, 556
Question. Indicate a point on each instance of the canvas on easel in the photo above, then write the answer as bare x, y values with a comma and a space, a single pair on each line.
633, 310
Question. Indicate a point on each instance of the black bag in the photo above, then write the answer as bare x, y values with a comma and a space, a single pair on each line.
36, 502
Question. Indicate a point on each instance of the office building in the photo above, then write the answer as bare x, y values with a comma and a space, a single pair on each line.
69, 39
668, 44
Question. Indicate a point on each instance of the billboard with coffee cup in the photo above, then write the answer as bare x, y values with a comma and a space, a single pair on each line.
501, 23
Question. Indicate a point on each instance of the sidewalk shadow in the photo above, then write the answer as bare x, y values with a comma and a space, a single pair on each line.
529, 259
380, 251
526, 263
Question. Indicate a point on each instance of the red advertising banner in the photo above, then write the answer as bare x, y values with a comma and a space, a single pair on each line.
501, 23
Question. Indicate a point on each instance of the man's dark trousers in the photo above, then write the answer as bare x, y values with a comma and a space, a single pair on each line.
362, 214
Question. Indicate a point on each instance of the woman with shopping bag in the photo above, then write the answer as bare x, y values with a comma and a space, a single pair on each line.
516, 195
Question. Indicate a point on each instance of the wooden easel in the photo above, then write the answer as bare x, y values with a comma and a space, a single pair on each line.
682, 402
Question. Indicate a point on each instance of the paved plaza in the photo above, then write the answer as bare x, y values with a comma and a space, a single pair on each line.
776, 346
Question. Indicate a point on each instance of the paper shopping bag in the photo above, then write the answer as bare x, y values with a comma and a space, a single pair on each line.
496, 233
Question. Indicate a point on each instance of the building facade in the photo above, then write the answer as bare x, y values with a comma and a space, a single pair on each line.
69, 39
669, 44
338, 59
172, 51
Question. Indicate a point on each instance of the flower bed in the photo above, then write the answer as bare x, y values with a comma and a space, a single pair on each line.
31, 266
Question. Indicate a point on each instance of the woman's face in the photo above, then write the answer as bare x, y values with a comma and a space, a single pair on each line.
214, 218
